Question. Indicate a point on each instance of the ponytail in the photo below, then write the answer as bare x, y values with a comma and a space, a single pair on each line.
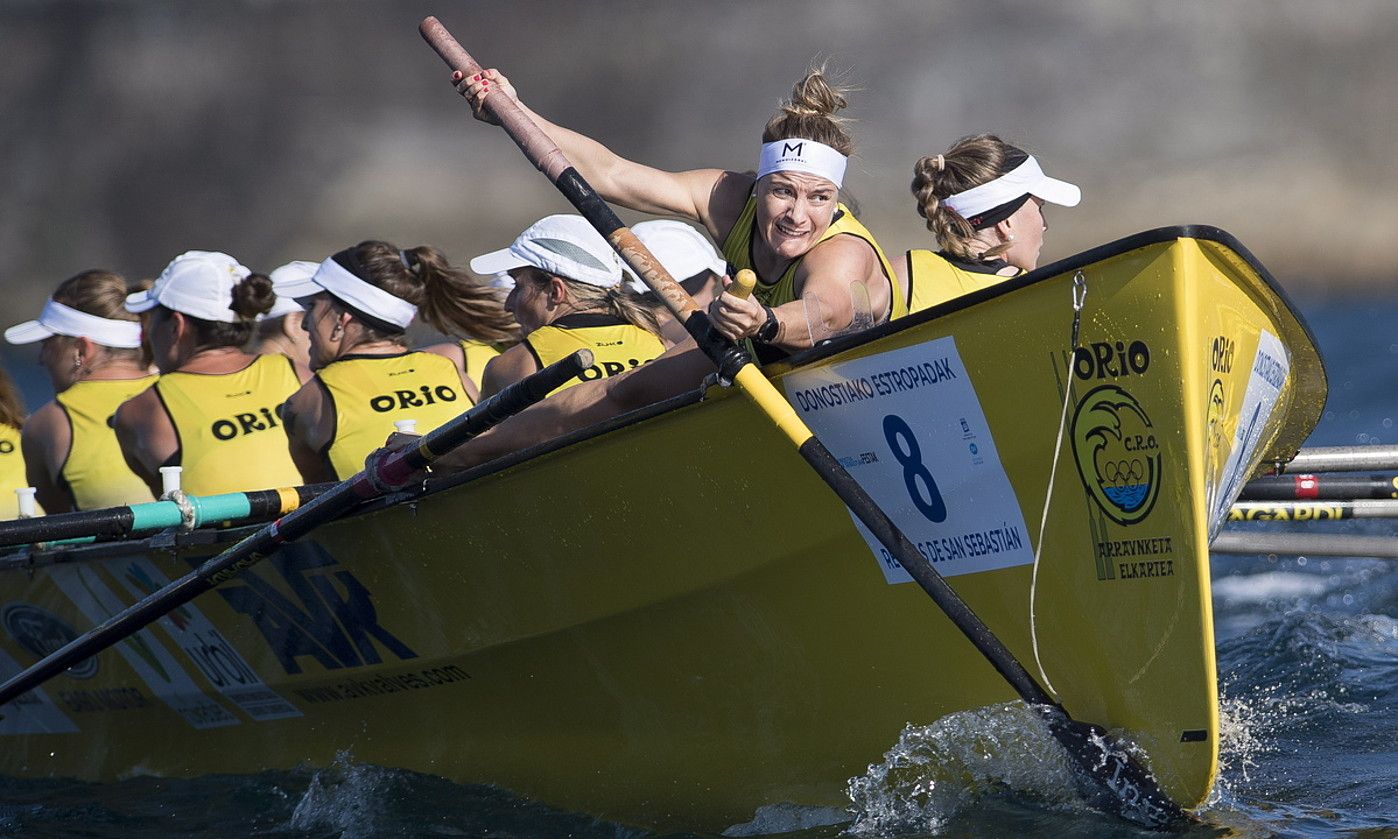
810, 113
450, 300
967, 163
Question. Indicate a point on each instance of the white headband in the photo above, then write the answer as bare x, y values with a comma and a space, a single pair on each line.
798, 155
367, 298
1026, 178
58, 319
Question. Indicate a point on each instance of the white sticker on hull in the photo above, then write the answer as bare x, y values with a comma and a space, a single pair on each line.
909, 428
1270, 367
147, 656
32, 712
215, 657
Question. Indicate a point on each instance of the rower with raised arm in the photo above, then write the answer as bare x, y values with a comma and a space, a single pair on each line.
215, 410
820, 272
568, 295
983, 199
91, 348
359, 304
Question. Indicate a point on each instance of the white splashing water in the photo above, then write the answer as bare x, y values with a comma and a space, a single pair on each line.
935, 771
346, 798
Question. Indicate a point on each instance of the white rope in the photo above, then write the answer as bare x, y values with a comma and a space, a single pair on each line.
1079, 296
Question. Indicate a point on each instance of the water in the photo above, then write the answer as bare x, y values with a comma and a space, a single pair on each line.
1308, 660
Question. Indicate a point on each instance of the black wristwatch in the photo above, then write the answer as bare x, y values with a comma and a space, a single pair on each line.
768, 331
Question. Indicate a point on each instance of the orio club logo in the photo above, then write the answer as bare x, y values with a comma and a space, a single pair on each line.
40, 633
1117, 453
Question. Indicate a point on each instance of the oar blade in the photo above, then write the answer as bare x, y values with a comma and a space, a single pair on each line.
1110, 777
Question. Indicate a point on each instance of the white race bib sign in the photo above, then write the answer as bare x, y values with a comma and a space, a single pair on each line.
909, 428
1270, 367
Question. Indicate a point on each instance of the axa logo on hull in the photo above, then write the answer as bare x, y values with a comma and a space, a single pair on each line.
1117, 453
41, 632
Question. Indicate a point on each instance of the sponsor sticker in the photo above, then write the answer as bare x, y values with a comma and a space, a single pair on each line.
1117, 453
1270, 367
210, 651
908, 426
149, 658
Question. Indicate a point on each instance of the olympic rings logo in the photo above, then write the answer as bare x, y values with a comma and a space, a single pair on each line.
1122, 472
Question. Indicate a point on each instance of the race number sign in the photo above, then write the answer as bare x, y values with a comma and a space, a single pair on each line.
909, 428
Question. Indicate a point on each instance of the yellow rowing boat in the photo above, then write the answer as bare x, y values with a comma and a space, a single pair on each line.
670, 621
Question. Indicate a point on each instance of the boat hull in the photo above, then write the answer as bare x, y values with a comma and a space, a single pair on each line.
670, 621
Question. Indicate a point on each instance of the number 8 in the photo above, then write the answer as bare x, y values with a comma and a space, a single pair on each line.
909, 454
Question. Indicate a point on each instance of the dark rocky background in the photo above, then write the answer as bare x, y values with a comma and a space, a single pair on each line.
277, 129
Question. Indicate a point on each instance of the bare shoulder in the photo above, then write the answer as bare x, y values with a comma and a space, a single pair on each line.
450, 350
139, 409
45, 421
846, 257
507, 368
729, 194
46, 433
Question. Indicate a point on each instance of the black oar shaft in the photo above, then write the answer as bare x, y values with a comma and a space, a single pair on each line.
1326, 487
387, 473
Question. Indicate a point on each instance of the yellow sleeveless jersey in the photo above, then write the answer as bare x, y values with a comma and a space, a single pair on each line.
230, 430
933, 278
94, 474
478, 355
617, 346
737, 249
370, 392
11, 471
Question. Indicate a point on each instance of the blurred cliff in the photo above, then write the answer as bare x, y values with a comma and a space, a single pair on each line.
281, 129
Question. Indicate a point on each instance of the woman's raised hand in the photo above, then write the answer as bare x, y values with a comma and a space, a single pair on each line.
477, 87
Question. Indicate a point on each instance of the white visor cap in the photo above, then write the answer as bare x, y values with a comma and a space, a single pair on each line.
1027, 177
682, 250
58, 319
565, 245
285, 279
197, 283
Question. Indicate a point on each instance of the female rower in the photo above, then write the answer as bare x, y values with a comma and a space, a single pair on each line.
91, 348
215, 409
818, 268
280, 330
359, 304
11, 455
568, 295
983, 199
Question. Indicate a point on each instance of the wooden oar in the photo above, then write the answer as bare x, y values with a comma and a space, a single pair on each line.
1367, 508
1305, 544
1118, 782
1344, 459
385, 473
1323, 487
226, 508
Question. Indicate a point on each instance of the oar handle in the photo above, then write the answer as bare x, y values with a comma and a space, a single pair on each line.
535, 144
743, 283
544, 153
